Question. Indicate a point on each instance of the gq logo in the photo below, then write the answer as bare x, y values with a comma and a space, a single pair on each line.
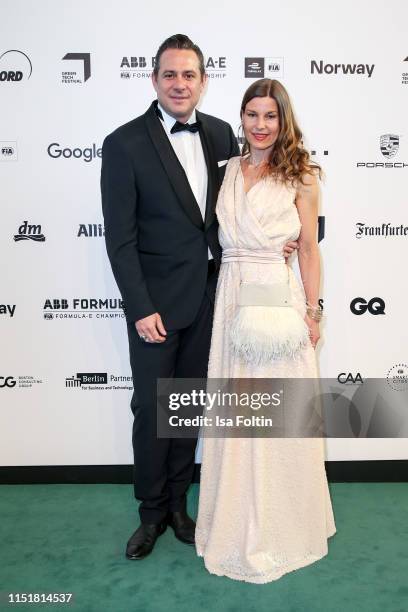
375, 306
7, 381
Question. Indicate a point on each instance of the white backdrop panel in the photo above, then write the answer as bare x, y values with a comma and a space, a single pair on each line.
343, 115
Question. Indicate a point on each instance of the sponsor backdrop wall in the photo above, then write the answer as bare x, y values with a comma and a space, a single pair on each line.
71, 72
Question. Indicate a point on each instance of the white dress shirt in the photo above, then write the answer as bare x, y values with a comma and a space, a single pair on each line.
187, 146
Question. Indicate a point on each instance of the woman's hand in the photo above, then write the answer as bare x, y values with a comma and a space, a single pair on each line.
314, 331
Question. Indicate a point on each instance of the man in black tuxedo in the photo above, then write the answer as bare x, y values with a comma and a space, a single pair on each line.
160, 178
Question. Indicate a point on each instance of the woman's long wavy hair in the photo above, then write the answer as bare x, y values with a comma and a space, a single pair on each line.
289, 161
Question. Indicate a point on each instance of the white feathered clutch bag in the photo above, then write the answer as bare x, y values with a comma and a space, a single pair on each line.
266, 326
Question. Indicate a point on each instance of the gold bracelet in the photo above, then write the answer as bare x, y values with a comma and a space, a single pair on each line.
314, 312
316, 316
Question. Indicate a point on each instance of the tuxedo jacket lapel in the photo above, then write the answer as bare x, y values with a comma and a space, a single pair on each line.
212, 170
173, 168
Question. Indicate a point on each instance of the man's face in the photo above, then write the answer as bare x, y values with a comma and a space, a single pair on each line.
179, 83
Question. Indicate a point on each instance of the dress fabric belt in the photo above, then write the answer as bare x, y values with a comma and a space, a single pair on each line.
251, 256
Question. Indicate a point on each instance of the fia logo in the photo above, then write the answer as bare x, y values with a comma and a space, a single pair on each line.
8, 151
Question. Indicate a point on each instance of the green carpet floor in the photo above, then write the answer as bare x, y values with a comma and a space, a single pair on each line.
71, 538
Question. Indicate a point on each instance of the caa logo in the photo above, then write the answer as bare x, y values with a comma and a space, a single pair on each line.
7, 381
375, 306
347, 377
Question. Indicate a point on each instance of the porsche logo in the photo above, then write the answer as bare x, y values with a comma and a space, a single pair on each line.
389, 145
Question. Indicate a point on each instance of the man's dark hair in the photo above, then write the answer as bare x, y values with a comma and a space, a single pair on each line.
178, 41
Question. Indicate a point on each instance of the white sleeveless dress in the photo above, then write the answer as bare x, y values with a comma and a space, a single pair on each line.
264, 507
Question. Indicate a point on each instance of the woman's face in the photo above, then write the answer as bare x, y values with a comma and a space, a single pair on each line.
260, 121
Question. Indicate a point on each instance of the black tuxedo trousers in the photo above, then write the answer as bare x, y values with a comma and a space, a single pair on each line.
163, 468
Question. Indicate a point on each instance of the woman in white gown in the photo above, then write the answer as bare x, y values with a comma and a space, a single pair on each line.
264, 507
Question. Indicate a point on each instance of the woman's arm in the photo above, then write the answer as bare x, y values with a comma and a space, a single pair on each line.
307, 200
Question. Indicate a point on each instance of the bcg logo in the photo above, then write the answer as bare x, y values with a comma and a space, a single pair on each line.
375, 306
7, 381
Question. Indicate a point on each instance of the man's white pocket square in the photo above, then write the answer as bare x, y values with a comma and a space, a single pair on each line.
222, 163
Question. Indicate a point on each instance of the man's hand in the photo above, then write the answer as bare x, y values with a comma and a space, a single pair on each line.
151, 328
289, 248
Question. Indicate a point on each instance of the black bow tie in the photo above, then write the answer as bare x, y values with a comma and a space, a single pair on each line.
180, 127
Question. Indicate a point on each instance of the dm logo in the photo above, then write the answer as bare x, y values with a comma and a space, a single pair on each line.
29, 232
389, 145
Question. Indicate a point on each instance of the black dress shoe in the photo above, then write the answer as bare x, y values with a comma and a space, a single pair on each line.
143, 540
183, 525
